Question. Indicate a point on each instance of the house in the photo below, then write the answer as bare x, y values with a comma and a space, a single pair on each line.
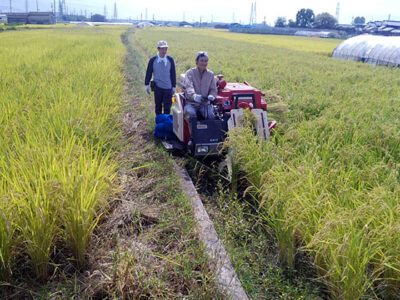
31, 18
41, 18
391, 28
17, 18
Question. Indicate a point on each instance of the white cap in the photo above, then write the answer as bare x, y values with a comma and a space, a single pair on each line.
201, 53
162, 44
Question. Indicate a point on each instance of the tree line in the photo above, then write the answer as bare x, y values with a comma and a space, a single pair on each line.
305, 17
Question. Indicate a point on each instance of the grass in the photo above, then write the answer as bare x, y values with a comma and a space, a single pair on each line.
328, 183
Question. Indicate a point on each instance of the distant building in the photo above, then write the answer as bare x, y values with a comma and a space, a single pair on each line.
391, 28
98, 18
41, 18
320, 34
226, 25
17, 18
31, 18
222, 26
85, 24
182, 24
144, 24
349, 28
3, 18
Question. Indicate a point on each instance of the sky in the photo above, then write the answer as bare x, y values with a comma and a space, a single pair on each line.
220, 10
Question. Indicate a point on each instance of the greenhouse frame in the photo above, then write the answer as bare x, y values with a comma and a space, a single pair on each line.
371, 49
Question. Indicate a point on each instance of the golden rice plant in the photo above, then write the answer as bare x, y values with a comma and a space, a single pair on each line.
60, 100
328, 183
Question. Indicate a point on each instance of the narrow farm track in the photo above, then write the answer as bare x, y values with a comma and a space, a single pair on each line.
152, 223
228, 282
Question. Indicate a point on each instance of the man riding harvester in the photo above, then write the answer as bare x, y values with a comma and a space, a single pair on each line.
208, 107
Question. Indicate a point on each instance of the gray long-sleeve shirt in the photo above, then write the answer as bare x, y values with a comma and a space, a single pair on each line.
202, 84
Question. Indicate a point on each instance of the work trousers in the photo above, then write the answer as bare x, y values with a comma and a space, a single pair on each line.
206, 111
162, 97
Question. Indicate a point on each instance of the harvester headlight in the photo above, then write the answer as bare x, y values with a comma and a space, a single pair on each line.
202, 149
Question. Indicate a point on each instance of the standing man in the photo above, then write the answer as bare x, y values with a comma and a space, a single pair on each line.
201, 89
162, 68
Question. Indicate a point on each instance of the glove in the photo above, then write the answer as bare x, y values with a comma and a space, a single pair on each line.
211, 98
147, 88
197, 98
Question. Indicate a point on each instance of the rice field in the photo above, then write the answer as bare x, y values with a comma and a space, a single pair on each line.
60, 101
328, 183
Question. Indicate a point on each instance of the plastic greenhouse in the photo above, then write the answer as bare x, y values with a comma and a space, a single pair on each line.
372, 49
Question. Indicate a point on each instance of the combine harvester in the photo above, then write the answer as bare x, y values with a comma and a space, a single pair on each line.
207, 136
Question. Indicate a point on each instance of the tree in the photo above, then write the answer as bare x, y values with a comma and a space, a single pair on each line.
305, 17
359, 21
292, 23
280, 22
325, 20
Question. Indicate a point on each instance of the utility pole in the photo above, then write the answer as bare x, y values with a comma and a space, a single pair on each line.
251, 14
26, 6
37, 5
60, 10
145, 15
105, 11
255, 13
115, 11
55, 8
337, 11
10, 6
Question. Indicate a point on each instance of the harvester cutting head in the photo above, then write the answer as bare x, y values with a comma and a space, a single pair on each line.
206, 136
